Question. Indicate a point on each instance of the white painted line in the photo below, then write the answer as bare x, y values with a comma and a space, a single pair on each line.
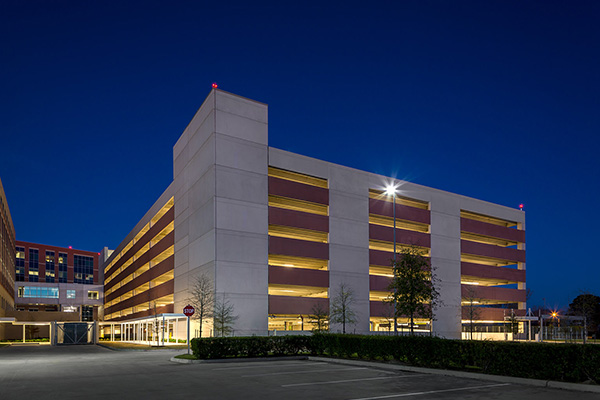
433, 391
255, 366
351, 380
306, 372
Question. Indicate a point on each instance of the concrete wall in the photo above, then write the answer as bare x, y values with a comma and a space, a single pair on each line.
349, 233
221, 212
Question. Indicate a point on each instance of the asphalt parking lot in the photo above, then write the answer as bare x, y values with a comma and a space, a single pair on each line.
75, 372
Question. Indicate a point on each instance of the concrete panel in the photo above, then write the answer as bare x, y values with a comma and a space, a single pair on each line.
180, 161
242, 216
242, 278
182, 254
241, 185
201, 135
181, 202
205, 109
203, 159
247, 108
182, 230
349, 206
202, 190
202, 220
202, 250
296, 162
348, 180
348, 259
241, 154
359, 284
252, 313
348, 233
241, 128
242, 247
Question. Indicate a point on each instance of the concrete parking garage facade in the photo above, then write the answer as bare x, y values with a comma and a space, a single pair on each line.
278, 232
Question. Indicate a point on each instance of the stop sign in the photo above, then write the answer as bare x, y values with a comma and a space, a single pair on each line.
188, 310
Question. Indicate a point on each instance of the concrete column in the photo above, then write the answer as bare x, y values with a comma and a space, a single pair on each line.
445, 258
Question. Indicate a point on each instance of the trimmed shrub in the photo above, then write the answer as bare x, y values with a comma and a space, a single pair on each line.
559, 362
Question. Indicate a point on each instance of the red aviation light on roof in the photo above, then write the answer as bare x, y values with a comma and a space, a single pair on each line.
70, 247
521, 206
215, 85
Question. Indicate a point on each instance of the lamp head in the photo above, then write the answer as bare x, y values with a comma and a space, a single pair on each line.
390, 190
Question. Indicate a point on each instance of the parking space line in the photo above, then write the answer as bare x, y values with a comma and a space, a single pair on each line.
433, 391
306, 372
266, 366
351, 380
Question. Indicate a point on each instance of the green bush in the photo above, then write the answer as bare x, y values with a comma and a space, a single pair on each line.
559, 362
254, 346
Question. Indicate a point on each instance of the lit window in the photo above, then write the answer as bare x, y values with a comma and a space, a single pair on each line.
92, 295
70, 294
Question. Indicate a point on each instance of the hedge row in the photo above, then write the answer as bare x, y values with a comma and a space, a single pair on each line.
558, 362
254, 346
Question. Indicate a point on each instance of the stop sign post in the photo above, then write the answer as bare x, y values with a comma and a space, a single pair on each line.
188, 311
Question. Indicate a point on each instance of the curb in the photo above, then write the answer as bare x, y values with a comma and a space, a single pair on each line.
232, 360
580, 387
123, 349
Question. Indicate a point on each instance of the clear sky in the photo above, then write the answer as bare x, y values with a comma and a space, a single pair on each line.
497, 100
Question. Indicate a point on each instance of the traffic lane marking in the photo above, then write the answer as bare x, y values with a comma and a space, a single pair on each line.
350, 380
255, 366
307, 372
389, 396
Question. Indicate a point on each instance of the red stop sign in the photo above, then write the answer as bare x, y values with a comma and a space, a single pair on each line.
188, 310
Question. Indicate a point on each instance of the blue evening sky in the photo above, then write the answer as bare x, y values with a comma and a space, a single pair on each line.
498, 100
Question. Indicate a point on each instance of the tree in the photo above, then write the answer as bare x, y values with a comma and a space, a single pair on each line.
156, 325
341, 306
223, 317
388, 313
413, 286
513, 324
473, 311
587, 305
202, 297
320, 318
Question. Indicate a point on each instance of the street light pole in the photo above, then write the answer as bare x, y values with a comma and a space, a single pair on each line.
395, 314
392, 189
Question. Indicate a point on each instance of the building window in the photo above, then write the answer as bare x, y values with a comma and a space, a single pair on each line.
50, 266
87, 313
37, 292
34, 256
20, 264
70, 294
92, 295
84, 269
62, 267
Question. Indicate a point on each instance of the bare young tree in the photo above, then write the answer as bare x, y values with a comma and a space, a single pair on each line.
202, 297
473, 311
342, 306
156, 325
223, 317
320, 318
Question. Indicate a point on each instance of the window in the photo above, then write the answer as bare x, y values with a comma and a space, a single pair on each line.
70, 294
87, 313
34, 256
62, 267
20, 264
50, 266
92, 295
37, 292
83, 267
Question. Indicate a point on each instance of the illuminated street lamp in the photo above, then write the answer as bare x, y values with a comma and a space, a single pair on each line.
391, 190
